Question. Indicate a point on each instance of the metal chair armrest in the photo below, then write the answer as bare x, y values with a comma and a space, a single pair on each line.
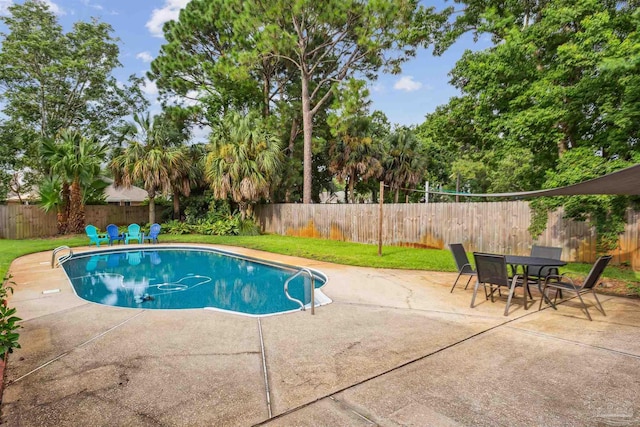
562, 278
468, 268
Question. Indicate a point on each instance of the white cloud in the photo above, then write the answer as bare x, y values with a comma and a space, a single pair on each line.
407, 84
188, 100
200, 134
378, 88
149, 88
144, 56
168, 12
93, 5
53, 7
4, 6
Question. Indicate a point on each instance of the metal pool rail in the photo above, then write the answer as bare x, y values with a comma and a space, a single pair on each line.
62, 258
313, 286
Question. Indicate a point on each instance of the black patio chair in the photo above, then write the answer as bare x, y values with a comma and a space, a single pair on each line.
563, 283
462, 263
540, 273
492, 271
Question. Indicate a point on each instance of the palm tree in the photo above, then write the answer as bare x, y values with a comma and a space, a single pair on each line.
51, 197
149, 157
76, 160
242, 161
405, 162
354, 155
183, 179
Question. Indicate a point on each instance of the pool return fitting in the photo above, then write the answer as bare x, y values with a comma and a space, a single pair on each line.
313, 287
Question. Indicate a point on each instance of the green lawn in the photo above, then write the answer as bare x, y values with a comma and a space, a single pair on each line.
323, 250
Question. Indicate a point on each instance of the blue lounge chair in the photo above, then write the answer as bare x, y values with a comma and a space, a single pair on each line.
133, 233
114, 234
94, 236
152, 237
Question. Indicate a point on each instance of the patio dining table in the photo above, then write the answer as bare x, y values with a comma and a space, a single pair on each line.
530, 261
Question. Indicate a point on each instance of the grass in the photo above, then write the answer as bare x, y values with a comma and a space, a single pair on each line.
356, 254
12, 249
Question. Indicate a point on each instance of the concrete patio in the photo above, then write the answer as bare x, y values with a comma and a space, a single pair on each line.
394, 348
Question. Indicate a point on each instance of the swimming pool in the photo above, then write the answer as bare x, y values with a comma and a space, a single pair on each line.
182, 278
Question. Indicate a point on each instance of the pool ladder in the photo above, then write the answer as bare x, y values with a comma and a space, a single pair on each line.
57, 262
313, 287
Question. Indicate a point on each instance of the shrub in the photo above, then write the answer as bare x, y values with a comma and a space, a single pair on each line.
218, 228
8, 320
206, 207
248, 227
215, 223
177, 227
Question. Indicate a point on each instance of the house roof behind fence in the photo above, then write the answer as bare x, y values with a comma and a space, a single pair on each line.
122, 194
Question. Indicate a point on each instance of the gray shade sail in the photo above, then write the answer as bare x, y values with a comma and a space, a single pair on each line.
623, 182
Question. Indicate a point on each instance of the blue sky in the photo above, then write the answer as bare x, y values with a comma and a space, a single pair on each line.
404, 98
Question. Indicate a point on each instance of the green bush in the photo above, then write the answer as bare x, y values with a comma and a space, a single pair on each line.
8, 320
176, 227
248, 227
215, 224
220, 227
205, 207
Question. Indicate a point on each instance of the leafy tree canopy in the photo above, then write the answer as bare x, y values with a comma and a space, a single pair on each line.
560, 84
52, 80
231, 50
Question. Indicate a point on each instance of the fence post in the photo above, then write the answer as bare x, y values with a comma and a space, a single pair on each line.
380, 218
426, 192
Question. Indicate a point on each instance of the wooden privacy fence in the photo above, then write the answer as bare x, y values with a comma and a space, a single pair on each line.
495, 227
24, 222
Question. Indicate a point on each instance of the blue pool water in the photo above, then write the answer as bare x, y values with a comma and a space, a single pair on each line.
177, 278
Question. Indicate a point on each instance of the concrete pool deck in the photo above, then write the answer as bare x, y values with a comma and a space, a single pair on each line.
394, 348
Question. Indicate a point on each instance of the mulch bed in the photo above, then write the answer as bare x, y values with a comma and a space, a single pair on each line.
619, 288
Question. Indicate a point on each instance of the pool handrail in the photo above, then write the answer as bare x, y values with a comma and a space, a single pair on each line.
62, 258
313, 286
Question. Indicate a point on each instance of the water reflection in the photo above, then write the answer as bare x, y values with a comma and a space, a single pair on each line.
134, 258
184, 279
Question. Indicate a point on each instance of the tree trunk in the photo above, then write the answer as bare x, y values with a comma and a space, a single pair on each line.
562, 146
242, 206
266, 84
176, 204
397, 196
292, 136
63, 210
152, 207
292, 139
60, 221
352, 179
76, 209
307, 130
